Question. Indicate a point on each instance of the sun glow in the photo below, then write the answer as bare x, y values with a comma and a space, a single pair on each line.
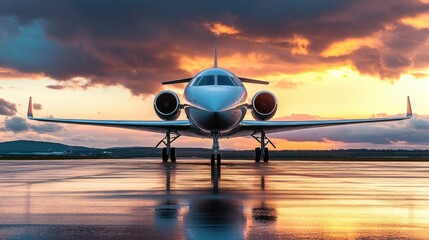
194, 64
349, 45
419, 22
300, 45
220, 28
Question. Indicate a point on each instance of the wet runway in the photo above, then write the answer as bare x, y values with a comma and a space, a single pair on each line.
145, 199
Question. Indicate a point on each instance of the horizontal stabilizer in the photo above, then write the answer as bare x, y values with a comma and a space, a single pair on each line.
249, 80
183, 80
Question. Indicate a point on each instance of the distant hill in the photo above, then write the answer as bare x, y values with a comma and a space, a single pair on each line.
26, 147
35, 146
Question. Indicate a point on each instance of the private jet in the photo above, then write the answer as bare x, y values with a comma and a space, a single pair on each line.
215, 104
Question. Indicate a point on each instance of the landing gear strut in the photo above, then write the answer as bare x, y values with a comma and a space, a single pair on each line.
215, 155
262, 152
168, 151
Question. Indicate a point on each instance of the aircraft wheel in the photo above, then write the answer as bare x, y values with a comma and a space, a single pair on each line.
218, 159
266, 155
164, 155
173, 154
212, 159
257, 154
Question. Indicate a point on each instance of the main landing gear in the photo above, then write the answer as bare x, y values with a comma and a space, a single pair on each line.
215, 156
168, 151
262, 153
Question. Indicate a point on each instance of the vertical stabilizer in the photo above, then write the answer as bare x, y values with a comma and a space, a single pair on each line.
215, 51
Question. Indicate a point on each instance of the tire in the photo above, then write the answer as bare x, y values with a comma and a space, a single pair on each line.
266, 155
173, 154
257, 154
212, 159
218, 158
164, 155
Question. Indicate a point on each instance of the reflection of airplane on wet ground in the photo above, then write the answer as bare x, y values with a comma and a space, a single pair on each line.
216, 104
62, 199
212, 214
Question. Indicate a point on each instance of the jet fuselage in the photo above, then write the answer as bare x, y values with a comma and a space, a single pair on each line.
215, 102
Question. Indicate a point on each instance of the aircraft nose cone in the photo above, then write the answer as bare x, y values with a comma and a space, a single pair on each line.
219, 103
215, 99
215, 107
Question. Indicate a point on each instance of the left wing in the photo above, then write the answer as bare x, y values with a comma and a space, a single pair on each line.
281, 126
150, 126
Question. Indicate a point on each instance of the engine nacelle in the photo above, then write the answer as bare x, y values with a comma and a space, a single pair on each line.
167, 105
264, 105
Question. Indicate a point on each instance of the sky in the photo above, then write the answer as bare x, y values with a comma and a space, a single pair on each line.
105, 59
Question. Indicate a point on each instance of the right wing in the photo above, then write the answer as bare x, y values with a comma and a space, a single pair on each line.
282, 126
150, 126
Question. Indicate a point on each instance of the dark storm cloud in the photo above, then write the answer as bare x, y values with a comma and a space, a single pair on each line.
402, 48
385, 64
19, 124
30, 50
324, 22
422, 59
137, 44
7, 108
396, 60
405, 38
414, 131
368, 60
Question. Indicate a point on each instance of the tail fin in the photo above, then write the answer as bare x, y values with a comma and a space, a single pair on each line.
215, 51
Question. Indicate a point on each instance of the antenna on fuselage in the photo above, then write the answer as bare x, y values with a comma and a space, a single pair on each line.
215, 51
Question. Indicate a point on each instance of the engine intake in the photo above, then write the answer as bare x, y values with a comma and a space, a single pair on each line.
167, 105
264, 105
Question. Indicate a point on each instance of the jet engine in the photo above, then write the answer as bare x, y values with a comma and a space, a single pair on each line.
264, 105
167, 105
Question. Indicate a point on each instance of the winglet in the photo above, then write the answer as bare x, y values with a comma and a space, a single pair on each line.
30, 109
409, 110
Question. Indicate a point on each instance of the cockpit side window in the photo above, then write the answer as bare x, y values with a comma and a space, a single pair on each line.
206, 80
224, 80
237, 81
194, 83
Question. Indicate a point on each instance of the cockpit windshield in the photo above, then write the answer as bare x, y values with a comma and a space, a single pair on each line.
216, 76
206, 80
224, 80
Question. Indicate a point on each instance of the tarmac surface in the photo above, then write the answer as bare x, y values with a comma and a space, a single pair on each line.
145, 199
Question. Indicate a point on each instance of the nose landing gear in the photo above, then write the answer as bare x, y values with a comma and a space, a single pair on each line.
215, 155
262, 153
